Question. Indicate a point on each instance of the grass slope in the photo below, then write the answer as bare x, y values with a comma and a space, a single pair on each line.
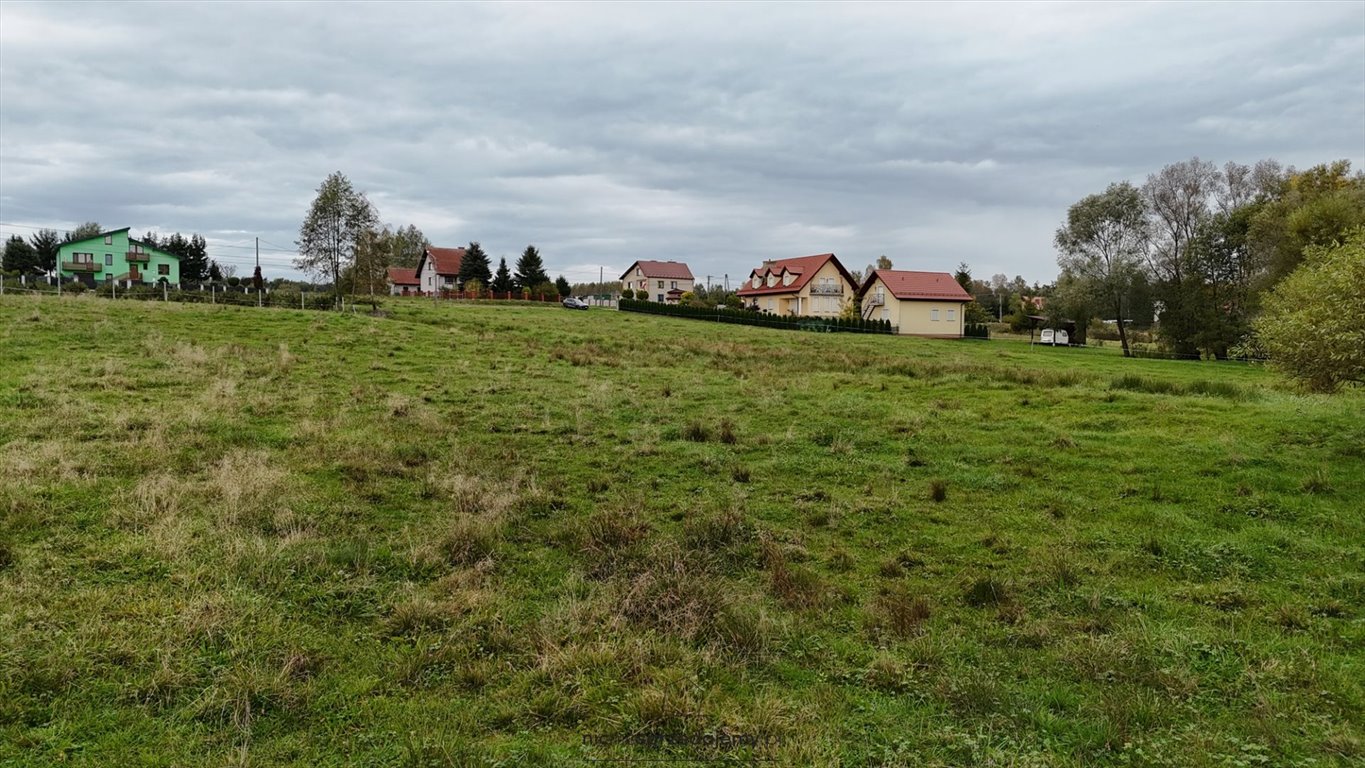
479, 534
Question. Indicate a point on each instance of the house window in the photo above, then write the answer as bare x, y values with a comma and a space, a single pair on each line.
933, 315
163, 269
661, 296
83, 258
952, 315
108, 259
661, 283
674, 285
108, 239
637, 273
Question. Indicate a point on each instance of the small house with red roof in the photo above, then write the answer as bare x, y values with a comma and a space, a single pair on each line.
402, 281
915, 303
660, 281
810, 286
438, 268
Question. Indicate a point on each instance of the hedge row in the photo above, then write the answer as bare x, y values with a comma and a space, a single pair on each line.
750, 317
976, 331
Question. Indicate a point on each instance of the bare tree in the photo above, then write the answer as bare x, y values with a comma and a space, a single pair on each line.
334, 225
1102, 245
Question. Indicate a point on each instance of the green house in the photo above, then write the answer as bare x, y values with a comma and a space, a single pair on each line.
114, 256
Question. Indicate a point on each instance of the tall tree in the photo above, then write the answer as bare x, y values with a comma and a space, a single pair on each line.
369, 271
883, 262
88, 229
502, 279
19, 255
530, 270
329, 234
215, 272
46, 244
474, 265
406, 245
1178, 198
1103, 242
562, 286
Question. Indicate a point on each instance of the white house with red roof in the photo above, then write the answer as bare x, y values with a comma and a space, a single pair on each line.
403, 281
438, 268
660, 281
810, 286
916, 303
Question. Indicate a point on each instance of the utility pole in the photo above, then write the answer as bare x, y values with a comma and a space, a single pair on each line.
258, 269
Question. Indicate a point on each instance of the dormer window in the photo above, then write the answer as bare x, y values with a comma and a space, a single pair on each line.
756, 281
788, 278
772, 279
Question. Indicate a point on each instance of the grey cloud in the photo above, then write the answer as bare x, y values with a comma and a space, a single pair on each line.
719, 134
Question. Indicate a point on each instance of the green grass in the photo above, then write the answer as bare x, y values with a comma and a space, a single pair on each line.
466, 535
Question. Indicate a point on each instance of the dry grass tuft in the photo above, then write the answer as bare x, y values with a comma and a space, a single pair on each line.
248, 487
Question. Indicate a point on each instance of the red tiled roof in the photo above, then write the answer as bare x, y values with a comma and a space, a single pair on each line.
803, 267
446, 261
402, 276
905, 284
661, 270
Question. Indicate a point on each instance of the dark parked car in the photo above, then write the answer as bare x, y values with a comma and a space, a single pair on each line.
573, 302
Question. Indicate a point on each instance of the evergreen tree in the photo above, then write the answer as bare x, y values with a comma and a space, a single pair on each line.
474, 265
963, 276
194, 263
530, 269
46, 243
215, 272
19, 255
256, 280
502, 280
562, 286
150, 239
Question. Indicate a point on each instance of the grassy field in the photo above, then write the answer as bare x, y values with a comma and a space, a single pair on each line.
493, 535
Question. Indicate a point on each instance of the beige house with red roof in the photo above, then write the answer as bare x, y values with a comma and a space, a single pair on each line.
402, 281
437, 269
916, 303
811, 286
660, 281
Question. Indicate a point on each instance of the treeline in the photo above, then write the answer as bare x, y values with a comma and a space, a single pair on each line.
1200, 247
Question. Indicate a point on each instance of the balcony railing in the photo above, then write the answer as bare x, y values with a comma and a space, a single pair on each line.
135, 256
80, 266
827, 290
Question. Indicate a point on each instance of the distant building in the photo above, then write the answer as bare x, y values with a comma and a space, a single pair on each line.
403, 281
916, 303
811, 286
437, 269
660, 281
115, 256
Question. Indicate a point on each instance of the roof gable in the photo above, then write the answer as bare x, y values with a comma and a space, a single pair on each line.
910, 285
803, 267
445, 261
100, 236
662, 270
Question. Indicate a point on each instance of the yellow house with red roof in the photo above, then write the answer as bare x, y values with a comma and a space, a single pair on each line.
809, 286
915, 303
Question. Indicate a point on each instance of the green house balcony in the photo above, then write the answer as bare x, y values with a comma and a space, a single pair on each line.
134, 256
80, 266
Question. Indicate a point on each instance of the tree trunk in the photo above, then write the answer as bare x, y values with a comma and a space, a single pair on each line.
1118, 318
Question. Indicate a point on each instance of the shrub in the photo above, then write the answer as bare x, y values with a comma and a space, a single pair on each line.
938, 490
697, 432
986, 591
75, 286
627, 294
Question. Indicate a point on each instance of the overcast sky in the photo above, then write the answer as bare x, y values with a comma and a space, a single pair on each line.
719, 135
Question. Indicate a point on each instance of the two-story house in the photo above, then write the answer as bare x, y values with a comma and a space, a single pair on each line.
116, 256
810, 286
916, 303
661, 281
438, 268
